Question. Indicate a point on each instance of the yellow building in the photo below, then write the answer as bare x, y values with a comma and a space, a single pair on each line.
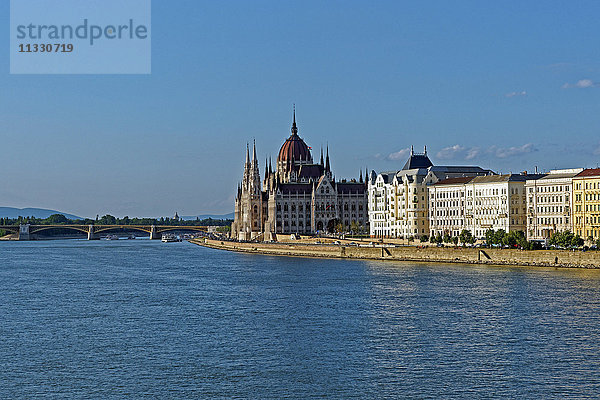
586, 203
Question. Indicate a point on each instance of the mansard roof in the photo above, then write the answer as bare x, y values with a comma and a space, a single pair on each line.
466, 169
350, 188
387, 176
561, 174
314, 171
589, 172
506, 178
455, 181
417, 161
372, 177
292, 188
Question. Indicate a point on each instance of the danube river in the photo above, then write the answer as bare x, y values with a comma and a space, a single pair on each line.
125, 319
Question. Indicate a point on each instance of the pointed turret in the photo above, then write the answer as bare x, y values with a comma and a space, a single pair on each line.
270, 166
360, 180
247, 154
266, 167
254, 159
412, 150
321, 155
425, 149
327, 166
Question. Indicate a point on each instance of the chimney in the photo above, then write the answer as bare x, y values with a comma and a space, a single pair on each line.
524, 173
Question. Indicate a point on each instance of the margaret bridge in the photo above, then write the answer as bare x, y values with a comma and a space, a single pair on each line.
26, 231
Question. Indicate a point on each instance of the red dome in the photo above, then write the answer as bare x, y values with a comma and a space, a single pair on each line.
294, 147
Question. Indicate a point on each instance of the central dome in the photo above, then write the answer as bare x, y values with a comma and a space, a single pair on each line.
294, 148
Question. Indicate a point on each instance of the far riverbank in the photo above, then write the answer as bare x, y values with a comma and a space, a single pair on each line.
537, 258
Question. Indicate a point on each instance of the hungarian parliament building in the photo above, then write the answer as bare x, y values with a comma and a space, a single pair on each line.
299, 196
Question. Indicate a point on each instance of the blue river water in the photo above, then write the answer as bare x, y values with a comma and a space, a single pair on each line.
138, 318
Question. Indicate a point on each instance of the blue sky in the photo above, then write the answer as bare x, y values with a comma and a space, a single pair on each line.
507, 86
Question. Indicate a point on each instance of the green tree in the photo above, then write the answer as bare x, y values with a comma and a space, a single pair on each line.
107, 220
424, 238
447, 238
455, 240
466, 236
499, 236
562, 239
515, 238
56, 219
489, 236
577, 241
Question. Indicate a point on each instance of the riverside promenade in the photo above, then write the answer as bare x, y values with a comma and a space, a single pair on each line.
537, 258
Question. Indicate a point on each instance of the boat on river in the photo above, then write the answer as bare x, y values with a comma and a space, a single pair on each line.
170, 238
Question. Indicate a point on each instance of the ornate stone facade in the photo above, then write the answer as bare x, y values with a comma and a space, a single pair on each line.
550, 204
298, 197
398, 200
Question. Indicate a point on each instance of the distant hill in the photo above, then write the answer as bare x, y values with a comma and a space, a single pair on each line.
223, 216
11, 212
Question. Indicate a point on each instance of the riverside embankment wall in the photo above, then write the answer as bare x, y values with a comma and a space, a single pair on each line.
546, 258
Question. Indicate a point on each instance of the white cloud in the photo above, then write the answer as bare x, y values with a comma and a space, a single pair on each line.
581, 84
504, 152
399, 155
451, 152
458, 152
516, 94
472, 153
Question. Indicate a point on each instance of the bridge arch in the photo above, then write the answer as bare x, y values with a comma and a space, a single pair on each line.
41, 228
160, 229
100, 229
12, 229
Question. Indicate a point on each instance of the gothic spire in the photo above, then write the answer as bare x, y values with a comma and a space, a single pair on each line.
254, 160
412, 150
270, 166
266, 167
322, 155
247, 154
294, 127
360, 180
327, 166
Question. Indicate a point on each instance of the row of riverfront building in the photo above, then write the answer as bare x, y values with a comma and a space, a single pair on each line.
419, 200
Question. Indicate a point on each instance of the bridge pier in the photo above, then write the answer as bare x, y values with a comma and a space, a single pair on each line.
153, 234
91, 234
24, 232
